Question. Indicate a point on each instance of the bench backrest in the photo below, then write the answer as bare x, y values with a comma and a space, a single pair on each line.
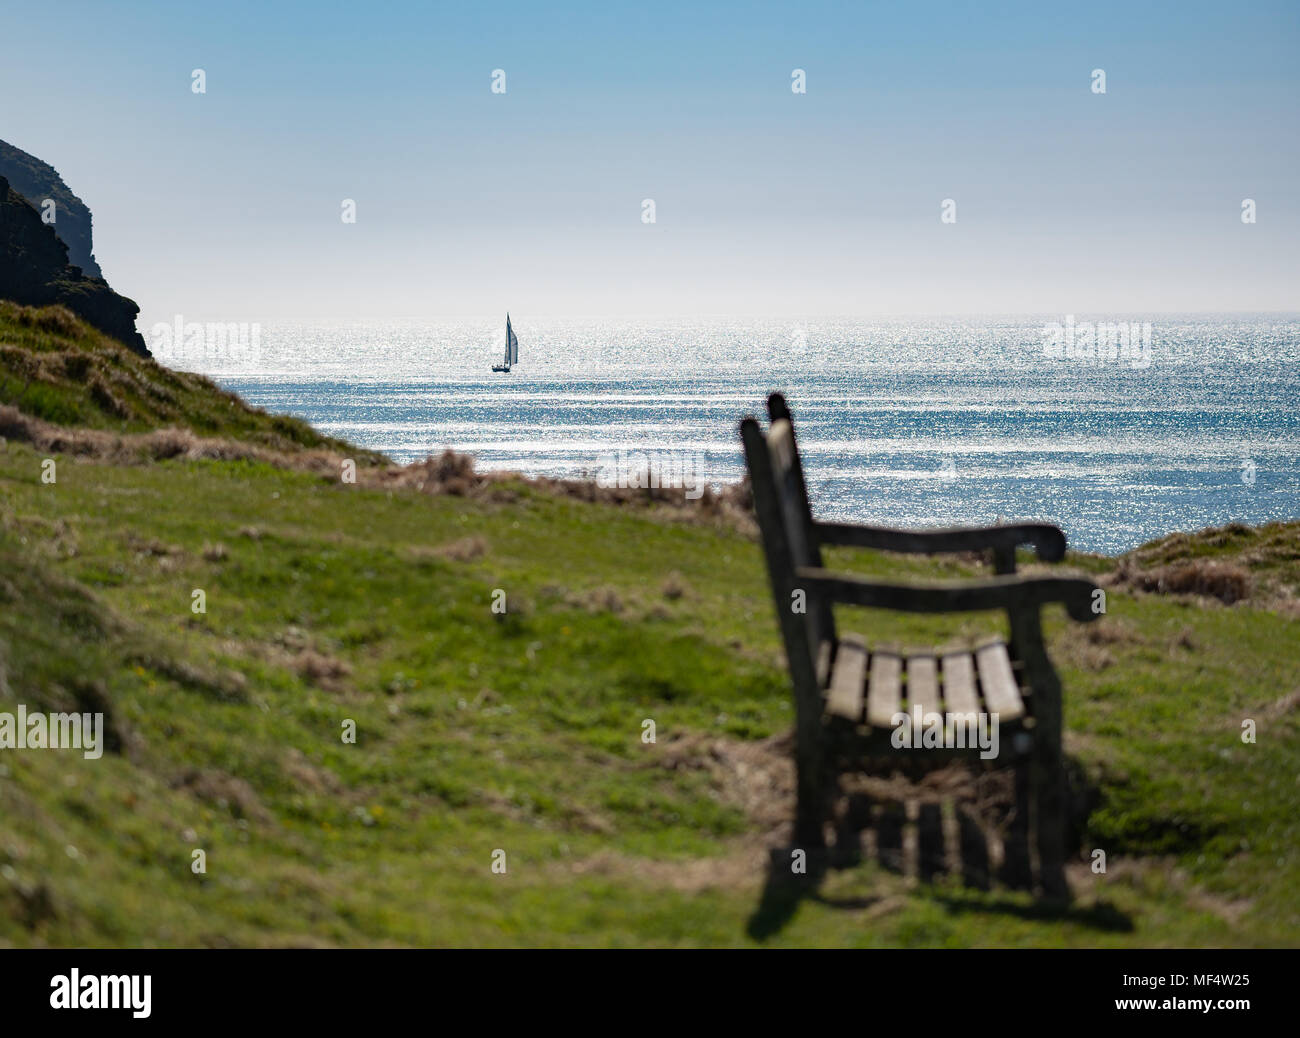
789, 541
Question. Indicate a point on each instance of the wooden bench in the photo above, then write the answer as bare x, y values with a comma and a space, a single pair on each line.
848, 691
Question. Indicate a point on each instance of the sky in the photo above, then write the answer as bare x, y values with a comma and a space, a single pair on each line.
227, 205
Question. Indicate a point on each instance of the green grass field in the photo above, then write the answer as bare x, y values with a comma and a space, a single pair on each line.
477, 732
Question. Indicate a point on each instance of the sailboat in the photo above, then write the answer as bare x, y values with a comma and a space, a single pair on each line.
512, 349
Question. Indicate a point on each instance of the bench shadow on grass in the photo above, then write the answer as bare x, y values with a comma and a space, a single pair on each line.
927, 844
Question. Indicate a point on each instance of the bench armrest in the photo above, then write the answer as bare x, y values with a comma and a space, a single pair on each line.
1007, 593
1047, 539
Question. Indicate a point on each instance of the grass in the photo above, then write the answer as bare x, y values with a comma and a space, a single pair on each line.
57, 368
521, 732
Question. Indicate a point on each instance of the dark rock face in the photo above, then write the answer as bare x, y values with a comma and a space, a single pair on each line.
37, 181
34, 271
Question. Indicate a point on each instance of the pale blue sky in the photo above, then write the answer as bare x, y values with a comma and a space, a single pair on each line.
226, 206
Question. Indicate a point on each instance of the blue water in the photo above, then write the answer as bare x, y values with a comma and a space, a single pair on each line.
908, 422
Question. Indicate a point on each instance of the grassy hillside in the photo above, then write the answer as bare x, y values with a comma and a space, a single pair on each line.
329, 602
56, 367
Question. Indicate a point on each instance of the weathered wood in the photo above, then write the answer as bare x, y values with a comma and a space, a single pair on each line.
959, 695
780, 565
778, 412
1004, 559
1002, 593
849, 825
780, 445
1047, 766
833, 684
821, 620
1017, 868
1048, 778
810, 785
1048, 540
891, 819
824, 653
848, 679
796, 524
884, 692
974, 850
923, 684
998, 683
930, 861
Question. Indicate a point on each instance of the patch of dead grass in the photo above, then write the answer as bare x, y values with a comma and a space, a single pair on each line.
322, 670
448, 473
223, 790
1225, 582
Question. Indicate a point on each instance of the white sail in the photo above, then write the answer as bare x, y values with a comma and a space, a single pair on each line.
512, 349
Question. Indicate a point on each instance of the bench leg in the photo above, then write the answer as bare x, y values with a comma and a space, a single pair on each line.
1047, 761
1049, 780
1017, 872
810, 804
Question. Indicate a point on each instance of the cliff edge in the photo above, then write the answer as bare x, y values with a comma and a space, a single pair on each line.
41, 185
35, 270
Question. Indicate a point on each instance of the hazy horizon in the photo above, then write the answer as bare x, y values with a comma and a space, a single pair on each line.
226, 205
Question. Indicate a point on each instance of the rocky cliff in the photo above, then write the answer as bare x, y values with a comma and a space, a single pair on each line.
35, 270
38, 182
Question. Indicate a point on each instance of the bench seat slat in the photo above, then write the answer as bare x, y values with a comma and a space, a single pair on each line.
998, 683
884, 692
848, 678
887, 683
923, 684
959, 684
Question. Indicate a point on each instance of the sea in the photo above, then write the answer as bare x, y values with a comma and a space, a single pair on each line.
1174, 422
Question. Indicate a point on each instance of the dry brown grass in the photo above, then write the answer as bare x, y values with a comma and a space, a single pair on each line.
1285, 705
106, 400
1227, 582
448, 473
322, 670
758, 777
464, 550
224, 791
1089, 647
1268, 553
226, 685
605, 600
306, 775
674, 587
56, 319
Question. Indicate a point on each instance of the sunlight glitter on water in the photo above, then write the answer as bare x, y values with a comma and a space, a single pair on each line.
906, 422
